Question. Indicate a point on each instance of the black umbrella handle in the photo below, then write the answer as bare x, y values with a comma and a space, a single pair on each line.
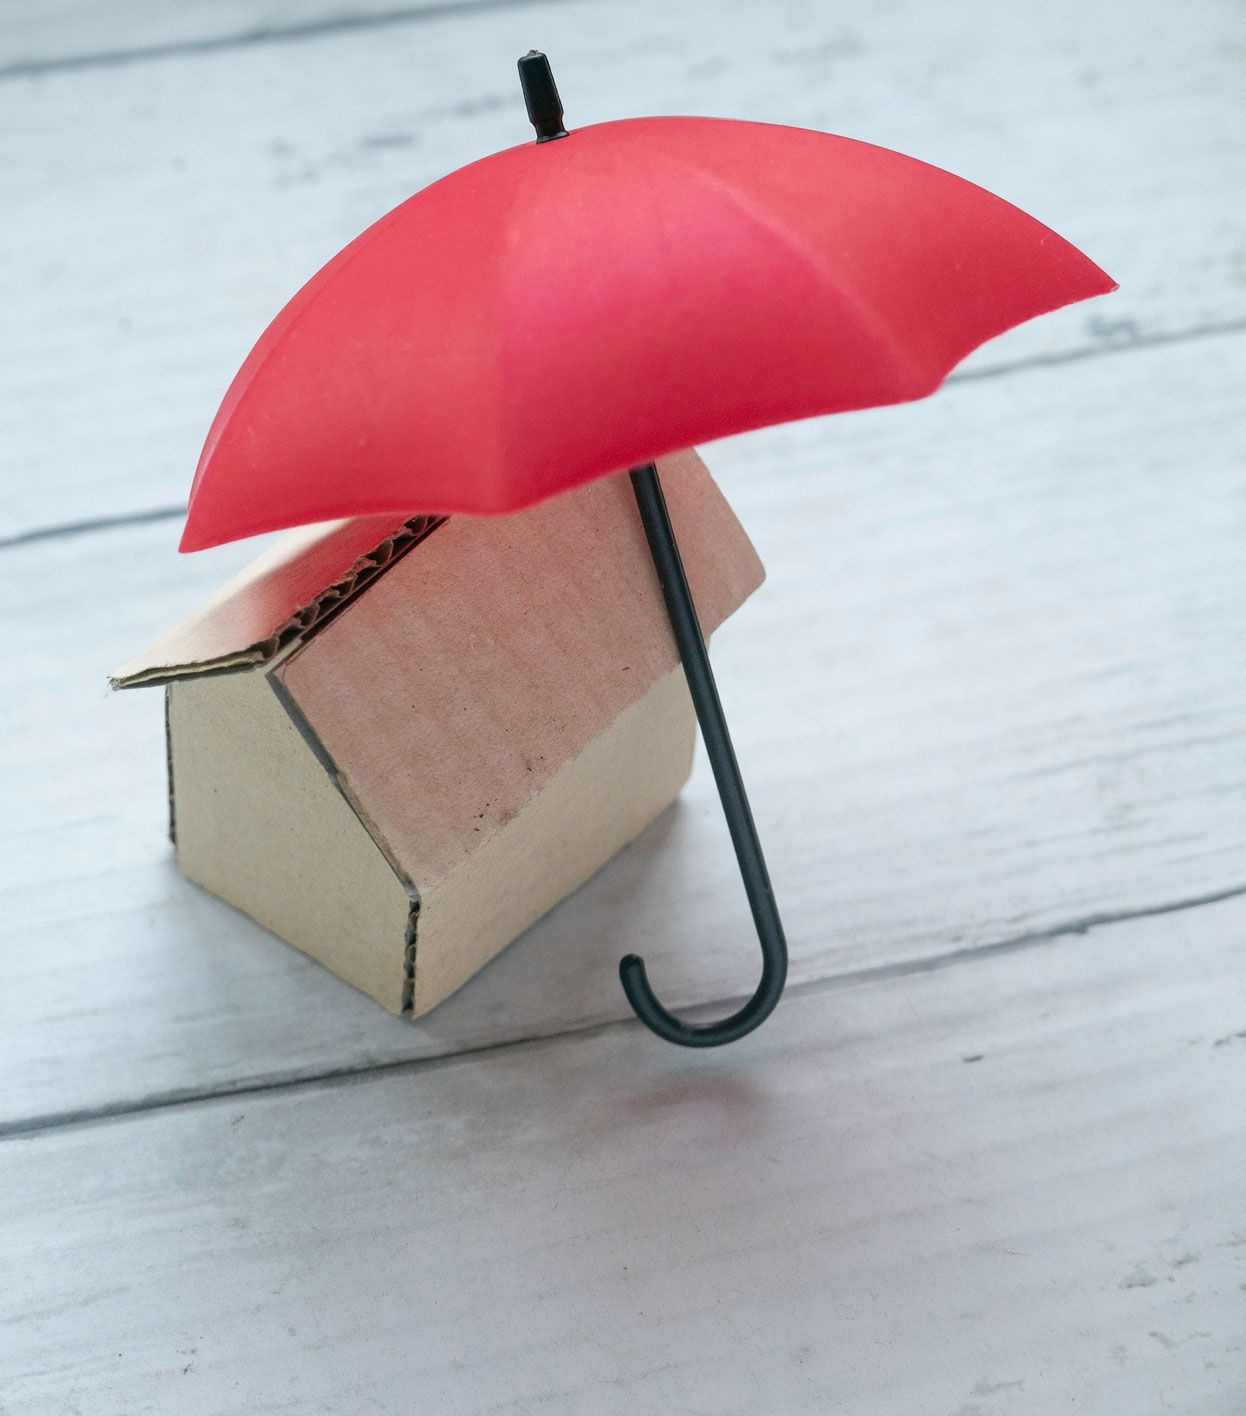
688, 637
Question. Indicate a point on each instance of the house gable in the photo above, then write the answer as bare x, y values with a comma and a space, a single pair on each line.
261, 824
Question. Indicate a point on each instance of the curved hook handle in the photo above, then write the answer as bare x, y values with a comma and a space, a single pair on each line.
663, 1022
691, 643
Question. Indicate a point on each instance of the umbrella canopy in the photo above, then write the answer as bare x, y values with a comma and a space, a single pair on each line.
566, 309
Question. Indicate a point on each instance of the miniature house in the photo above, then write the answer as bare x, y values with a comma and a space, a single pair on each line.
398, 746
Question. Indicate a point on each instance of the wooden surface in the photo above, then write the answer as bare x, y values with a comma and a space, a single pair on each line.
987, 1157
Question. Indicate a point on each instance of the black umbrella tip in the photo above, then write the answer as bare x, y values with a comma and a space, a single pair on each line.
540, 94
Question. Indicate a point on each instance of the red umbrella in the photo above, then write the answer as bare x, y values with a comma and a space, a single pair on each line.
585, 303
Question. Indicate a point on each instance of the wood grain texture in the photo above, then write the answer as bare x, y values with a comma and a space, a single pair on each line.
990, 704
991, 688
157, 216
1006, 1188
49, 36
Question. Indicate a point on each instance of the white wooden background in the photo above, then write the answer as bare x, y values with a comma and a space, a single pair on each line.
988, 1157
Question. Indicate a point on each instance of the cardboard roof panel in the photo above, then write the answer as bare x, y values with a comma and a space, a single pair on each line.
451, 692
302, 577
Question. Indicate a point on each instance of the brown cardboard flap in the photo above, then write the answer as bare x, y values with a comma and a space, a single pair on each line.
472, 671
298, 581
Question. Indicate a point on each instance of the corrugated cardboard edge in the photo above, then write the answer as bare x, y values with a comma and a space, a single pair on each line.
274, 603
168, 766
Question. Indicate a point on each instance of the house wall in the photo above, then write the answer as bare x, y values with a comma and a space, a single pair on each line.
597, 802
260, 823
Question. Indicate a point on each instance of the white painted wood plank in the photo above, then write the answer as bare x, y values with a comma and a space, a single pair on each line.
992, 687
156, 216
1012, 1186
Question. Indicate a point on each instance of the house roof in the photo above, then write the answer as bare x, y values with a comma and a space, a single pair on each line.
281, 596
480, 662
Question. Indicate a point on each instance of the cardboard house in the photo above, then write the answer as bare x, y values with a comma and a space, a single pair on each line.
397, 746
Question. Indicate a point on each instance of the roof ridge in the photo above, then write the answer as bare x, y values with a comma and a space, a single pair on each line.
251, 621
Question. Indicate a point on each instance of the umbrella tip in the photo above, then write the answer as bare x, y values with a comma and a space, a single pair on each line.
540, 94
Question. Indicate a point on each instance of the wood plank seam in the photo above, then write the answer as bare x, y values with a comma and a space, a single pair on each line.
30, 1127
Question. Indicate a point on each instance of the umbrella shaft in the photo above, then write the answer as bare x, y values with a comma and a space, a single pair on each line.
681, 610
